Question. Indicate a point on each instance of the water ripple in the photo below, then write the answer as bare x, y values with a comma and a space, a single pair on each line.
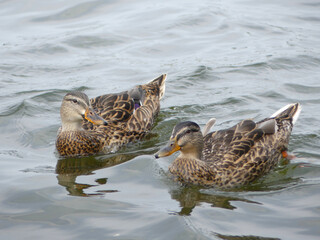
92, 41
299, 88
226, 59
75, 11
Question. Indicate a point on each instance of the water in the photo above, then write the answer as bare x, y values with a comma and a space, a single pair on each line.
226, 59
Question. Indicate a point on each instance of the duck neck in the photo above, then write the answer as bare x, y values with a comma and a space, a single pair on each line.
71, 126
191, 154
194, 150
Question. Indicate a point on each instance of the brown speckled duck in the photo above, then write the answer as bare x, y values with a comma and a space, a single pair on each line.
105, 123
231, 157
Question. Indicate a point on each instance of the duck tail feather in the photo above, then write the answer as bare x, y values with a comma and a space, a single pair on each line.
269, 126
161, 82
290, 111
208, 126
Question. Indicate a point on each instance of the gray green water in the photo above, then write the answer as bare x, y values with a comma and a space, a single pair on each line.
226, 59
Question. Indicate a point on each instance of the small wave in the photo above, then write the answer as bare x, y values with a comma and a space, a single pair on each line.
76, 11
11, 152
274, 95
299, 88
297, 62
47, 49
35, 102
278, 63
40, 169
86, 41
12, 109
310, 19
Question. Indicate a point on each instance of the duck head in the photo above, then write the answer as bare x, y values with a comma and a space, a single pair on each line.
74, 108
187, 138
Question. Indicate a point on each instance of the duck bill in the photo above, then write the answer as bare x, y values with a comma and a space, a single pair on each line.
170, 148
94, 118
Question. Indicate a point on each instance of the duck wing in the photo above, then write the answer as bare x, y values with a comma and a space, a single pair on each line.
144, 116
267, 138
133, 110
114, 108
230, 144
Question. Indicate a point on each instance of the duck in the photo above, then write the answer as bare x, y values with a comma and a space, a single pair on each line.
231, 157
106, 123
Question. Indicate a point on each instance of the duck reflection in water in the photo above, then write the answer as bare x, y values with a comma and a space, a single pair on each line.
68, 169
250, 237
191, 196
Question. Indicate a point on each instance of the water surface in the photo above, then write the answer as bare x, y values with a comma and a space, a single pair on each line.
226, 59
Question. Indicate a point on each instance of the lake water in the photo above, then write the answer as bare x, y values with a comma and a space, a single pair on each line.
225, 59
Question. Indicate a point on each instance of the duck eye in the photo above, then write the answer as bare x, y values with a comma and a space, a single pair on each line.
188, 131
75, 100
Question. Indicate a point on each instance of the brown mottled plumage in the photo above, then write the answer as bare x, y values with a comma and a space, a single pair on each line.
231, 157
107, 122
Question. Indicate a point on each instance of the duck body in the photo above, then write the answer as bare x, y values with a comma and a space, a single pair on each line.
80, 143
231, 157
105, 123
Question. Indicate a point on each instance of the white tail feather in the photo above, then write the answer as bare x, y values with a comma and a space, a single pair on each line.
295, 116
208, 126
269, 126
163, 86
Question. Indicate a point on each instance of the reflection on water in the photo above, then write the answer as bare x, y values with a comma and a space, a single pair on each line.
190, 197
226, 237
68, 169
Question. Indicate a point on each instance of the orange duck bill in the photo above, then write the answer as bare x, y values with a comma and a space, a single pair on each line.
94, 118
167, 150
